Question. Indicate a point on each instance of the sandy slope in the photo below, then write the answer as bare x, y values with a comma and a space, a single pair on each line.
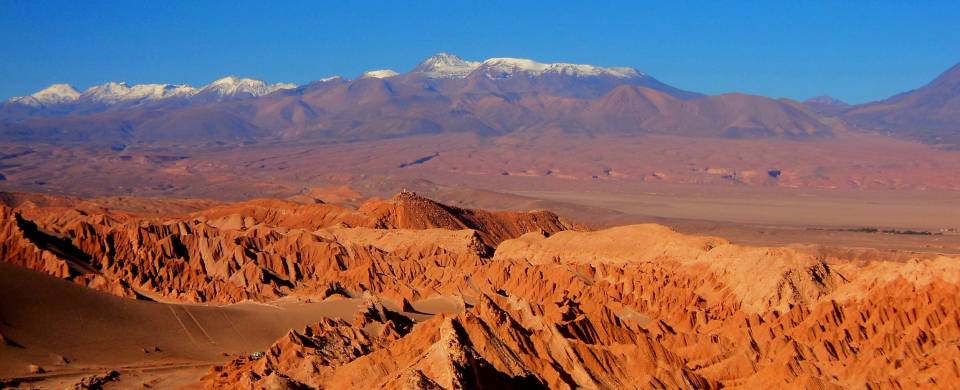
45, 318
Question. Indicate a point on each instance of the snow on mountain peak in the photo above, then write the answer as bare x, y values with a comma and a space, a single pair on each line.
378, 74
506, 67
54, 94
511, 65
121, 92
441, 65
57, 92
444, 65
158, 91
114, 92
228, 80
233, 86
111, 92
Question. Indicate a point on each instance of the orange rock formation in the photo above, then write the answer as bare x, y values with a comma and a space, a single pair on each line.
531, 301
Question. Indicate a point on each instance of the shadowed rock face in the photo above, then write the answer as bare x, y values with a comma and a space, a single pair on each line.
533, 303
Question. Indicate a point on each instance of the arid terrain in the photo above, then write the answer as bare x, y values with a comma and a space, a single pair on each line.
683, 182
495, 224
410, 293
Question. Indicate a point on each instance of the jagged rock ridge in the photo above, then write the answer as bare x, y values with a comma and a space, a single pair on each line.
533, 304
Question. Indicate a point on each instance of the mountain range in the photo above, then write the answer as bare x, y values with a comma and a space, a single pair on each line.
64, 99
446, 93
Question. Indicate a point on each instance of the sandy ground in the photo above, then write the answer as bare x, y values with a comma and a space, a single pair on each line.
71, 331
927, 210
761, 216
745, 215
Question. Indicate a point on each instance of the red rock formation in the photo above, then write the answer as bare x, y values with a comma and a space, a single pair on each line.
308, 357
261, 250
685, 318
410, 211
26, 244
629, 307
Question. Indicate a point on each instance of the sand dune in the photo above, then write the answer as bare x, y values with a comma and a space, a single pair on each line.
70, 330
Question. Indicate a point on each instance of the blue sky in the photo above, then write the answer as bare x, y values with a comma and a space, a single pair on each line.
856, 51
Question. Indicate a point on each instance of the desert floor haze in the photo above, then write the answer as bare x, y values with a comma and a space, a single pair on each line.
468, 223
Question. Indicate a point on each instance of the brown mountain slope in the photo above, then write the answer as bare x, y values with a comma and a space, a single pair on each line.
634, 109
826, 105
930, 113
412, 104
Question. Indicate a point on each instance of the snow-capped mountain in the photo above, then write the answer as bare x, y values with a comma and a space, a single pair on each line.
159, 91
444, 94
232, 86
436, 81
439, 66
54, 94
452, 74
445, 65
379, 74
506, 67
114, 93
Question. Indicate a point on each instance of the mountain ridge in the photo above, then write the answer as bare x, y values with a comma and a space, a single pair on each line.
443, 94
113, 93
447, 94
930, 113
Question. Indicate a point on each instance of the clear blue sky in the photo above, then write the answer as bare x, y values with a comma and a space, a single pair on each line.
856, 51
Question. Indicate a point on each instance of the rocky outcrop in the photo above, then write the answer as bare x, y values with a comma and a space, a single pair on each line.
503, 342
263, 249
408, 210
307, 358
629, 307
28, 245
689, 312
761, 278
